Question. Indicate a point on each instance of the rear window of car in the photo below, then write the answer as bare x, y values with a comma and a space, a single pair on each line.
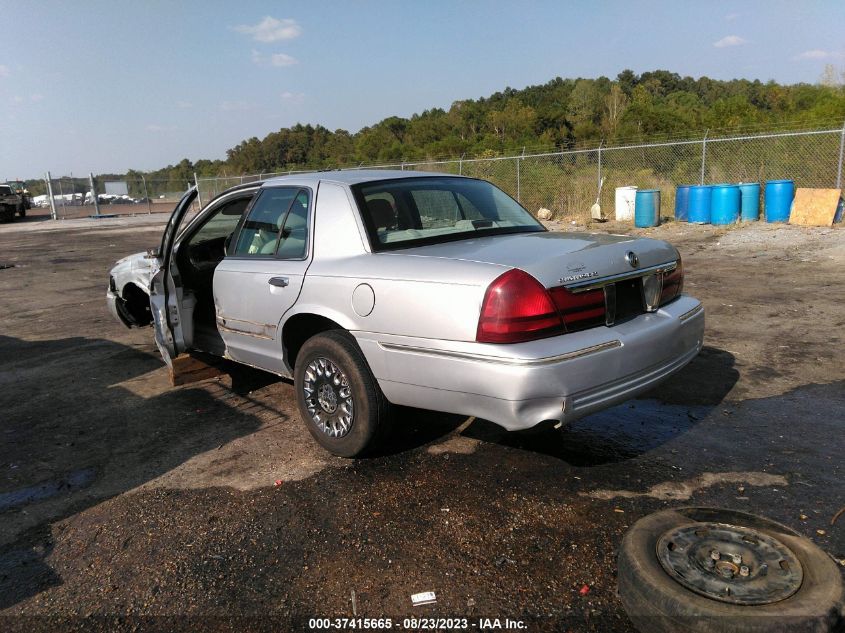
427, 210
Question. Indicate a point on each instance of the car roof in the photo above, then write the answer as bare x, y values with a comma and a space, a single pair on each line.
350, 176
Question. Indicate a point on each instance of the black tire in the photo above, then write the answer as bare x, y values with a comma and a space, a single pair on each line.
657, 603
371, 410
22, 212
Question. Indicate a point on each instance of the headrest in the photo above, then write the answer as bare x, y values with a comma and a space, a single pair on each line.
296, 217
382, 213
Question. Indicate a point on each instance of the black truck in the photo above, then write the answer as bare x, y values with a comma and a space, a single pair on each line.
14, 199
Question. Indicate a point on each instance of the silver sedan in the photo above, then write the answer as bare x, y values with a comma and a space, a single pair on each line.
372, 288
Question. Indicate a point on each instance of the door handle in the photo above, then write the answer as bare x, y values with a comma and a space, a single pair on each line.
281, 282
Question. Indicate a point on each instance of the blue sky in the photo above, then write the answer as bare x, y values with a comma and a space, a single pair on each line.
106, 86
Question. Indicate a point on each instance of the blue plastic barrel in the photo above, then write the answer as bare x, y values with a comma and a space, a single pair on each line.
699, 204
749, 195
779, 195
647, 208
682, 202
724, 204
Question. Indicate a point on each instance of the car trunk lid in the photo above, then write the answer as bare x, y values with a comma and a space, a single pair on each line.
556, 258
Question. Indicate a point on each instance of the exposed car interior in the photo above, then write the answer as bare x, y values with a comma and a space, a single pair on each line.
199, 253
406, 212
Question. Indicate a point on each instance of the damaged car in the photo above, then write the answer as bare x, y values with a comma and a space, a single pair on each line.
375, 288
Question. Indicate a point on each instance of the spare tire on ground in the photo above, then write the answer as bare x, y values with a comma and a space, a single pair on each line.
710, 570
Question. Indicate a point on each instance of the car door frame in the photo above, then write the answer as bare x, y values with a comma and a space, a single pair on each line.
165, 304
269, 361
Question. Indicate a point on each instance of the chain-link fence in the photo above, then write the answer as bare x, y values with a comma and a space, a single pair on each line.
567, 182
71, 197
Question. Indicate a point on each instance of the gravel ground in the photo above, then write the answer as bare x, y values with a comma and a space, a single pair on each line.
127, 503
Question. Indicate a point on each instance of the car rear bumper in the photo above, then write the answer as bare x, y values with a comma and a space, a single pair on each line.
561, 378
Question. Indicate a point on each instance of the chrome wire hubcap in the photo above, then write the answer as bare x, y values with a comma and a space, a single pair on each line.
328, 397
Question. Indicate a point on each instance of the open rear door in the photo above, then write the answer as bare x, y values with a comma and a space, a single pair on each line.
166, 292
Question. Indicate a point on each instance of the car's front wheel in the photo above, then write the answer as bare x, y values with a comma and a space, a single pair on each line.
338, 397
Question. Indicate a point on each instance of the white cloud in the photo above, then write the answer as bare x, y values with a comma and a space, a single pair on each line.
276, 59
819, 54
283, 59
271, 30
35, 98
155, 127
730, 17
4, 71
293, 97
730, 40
18, 99
235, 106
184, 104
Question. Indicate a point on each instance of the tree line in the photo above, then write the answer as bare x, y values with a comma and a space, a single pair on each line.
560, 114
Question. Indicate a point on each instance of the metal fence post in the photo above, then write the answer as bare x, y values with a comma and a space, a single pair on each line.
147, 195
518, 189
197, 185
704, 154
94, 193
841, 151
50, 193
599, 178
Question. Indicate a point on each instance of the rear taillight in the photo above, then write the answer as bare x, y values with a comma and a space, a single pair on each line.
579, 310
518, 308
673, 283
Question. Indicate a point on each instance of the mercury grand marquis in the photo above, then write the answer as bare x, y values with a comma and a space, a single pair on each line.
379, 288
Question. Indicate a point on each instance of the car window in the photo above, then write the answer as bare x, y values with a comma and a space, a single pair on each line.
260, 232
437, 207
422, 210
222, 222
293, 241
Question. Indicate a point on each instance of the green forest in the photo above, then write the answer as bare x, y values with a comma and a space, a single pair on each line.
560, 114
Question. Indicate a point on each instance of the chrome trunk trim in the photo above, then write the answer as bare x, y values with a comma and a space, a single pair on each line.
593, 284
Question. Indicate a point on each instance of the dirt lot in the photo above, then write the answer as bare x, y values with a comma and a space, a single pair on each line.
127, 503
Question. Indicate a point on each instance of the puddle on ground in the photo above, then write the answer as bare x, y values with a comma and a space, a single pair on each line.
73, 481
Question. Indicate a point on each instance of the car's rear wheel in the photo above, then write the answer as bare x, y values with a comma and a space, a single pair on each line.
338, 397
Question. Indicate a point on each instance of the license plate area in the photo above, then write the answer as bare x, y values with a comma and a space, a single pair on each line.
629, 300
